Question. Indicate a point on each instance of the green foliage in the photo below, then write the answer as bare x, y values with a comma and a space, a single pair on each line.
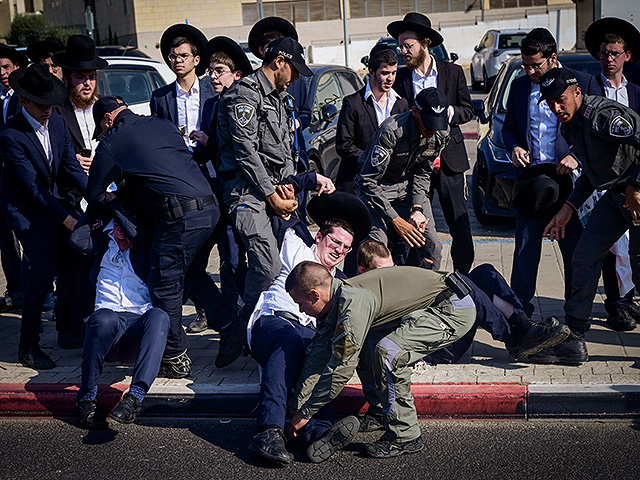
61, 33
25, 29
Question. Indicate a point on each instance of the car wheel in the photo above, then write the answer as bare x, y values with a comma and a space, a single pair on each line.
477, 200
475, 84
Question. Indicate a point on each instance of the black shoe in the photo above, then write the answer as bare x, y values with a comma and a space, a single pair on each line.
537, 337
371, 423
387, 449
339, 436
35, 358
10, 301
70, 341
126, 410
49, 303
232, 340
175, 367
633, 308
89, 415
269, 445
200, 324
620, 318
573, 351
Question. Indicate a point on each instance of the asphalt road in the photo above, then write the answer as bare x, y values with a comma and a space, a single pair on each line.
216, 448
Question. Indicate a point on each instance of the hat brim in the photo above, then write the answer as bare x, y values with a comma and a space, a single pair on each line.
231, 48
14, 55
302, 69
521, 198
269, 24
342, 206
56, 97
598, 29
397, 27
62, 60
431, 122
36, 50
194, 35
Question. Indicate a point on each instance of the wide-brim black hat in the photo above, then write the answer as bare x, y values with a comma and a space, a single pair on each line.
415, 22
79, 54
342, 206
269, 24
540, 191
13, 55
598, 29
36, 84
50, 45
230, 47
194, 35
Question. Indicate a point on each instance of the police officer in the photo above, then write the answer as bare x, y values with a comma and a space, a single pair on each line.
395, 172
167, 191
604, 135
255, 137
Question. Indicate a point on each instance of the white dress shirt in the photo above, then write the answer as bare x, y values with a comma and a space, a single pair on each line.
5, 96
543, 126
382, 111
619, 94
87, 125
42, 132
188, 110
430, 80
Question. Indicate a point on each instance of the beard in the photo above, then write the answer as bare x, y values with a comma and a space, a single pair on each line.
417, 59
81, 102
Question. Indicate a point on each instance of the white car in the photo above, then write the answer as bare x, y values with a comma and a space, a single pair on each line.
134, 79
492, 51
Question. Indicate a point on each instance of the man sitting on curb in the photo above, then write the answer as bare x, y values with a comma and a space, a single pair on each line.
279, 332
124, 326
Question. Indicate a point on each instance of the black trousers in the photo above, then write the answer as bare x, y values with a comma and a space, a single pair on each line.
10, 257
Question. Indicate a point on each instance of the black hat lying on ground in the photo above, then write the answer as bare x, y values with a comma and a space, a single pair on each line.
540, 191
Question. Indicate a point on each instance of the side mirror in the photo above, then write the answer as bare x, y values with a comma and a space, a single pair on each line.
475, 49
329, 112
365, 60
454, 56
478, 110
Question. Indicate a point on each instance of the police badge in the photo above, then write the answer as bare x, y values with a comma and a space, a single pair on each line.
620, 127
378, 155
244, 112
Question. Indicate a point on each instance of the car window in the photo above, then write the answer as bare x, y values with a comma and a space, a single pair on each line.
511, 76
586, 64
327, 91
134, 86
497, 85
490, 40
510, 40
349, 83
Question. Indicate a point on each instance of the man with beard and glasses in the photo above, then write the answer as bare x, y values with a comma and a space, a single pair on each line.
255, 136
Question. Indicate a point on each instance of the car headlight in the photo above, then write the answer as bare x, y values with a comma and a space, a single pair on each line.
499, 154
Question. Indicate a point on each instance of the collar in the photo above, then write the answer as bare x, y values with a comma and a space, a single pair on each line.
578, 118
432, 71
194, 88
391, 95
314, 250
607, 82
83, 110
264, 81
36, 125
6, 93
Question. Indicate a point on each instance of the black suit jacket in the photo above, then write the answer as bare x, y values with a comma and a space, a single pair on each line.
356, 125
633, 91
13, 109
163, 100
452, 82
66, 110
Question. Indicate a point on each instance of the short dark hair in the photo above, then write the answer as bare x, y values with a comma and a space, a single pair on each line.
181, 41
329, 225
539, 40
387, 57
221, 57
307, 275
370, 249
268, 37
615, 38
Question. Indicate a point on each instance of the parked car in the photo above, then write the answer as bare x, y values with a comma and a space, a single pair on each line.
493, 173
133, 79
439, 52
328, 86
120, 51
492, 51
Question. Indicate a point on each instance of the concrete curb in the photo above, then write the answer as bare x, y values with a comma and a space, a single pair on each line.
433, 401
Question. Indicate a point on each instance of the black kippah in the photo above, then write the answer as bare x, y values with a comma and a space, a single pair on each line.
541, 35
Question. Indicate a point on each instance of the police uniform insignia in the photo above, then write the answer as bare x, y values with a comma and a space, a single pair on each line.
587, 111
244, 112
429, 152
378, 155
437, 110
620, 127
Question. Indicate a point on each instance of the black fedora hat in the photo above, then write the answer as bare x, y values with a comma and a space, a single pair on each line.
13, 55
415, 22
79, 54
627, 31
194, 35
36, 84
230, 47
50, 45
540, 191
269, 24
343, 206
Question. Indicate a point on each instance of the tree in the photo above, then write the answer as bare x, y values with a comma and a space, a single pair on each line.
25, 29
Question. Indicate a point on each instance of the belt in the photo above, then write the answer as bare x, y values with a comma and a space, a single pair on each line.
197, 203
174, 210
446, 294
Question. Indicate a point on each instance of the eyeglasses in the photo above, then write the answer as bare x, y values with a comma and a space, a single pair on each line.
347, 248
217, 72
534, 67
613, 55
406, 46
182, 56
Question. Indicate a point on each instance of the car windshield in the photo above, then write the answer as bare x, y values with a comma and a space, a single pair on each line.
510, 40
511, 76
133, 85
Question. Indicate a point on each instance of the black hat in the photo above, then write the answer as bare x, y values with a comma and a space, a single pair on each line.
627, 31
433, 106
415, 22
342, 206
79, 54
540, 191
555, 82
36, 84
102, 106
50, 45
231, 48
194, 35
269, 24
13, 55
291, 50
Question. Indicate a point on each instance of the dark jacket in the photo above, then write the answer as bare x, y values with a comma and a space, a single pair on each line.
356, 125
12, 109
66, 110
163, 100
30, 187
633, 91
452, 82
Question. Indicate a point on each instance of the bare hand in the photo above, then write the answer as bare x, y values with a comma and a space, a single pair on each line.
85, 162
555, 229
408, 232
282, 207
519, 157
324, 185
286, 192
567, 165
296, 424
70, 222
199, 136
632, 202
419, 221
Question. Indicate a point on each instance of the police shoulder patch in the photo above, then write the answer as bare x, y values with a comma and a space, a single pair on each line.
587, 111
620, 127
378, 155
243, 112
